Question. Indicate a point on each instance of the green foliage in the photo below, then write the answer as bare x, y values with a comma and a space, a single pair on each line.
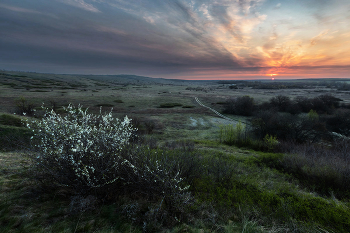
239, 136
313, 116
233, 135
170, 105
271, 142
118, 101
271, 160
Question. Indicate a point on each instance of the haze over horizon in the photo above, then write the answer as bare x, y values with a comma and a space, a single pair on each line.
184, 39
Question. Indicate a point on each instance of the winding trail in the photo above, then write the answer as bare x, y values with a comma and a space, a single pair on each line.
213, 110
220, 115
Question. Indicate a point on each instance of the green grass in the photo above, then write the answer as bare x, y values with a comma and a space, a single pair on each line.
237, 190
11, 120
12, 137
275, 196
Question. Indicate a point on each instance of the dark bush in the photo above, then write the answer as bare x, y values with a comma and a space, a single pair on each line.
170, 105
280, 102
325, 104
145, 125
293, 108
304, 103
285, 126
23, 107
243, 106
339, 122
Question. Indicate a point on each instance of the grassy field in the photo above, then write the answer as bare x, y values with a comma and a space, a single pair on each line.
236, 189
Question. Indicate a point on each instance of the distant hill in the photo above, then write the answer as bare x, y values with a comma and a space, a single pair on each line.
122, 79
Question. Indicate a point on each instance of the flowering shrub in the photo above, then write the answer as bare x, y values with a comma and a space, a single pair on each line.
84, 151
79, 150
91, 155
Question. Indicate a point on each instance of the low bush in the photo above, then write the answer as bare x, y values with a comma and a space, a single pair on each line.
234, 135
271, 142
170, 105
145, 125
240, 136
325, 169
339, 122
23, 107
188, 106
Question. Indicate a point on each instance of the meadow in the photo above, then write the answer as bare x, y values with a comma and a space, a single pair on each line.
235, 182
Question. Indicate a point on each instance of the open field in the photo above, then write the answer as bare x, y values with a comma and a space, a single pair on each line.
238, 190
138, 95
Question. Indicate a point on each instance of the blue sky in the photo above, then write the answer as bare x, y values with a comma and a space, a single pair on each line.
187, 39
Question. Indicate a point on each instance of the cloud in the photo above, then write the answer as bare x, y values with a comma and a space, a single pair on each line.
278, 6
81, 4
171, 36
315, 39
19, 9
24, 10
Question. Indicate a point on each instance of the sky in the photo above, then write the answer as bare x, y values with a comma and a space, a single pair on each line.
184, 39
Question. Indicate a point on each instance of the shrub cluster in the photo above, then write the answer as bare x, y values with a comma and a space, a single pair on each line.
240, 106
92, 155
241, 136
287, 119
285, 126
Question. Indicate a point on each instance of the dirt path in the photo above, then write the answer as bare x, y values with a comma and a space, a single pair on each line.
231, 121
